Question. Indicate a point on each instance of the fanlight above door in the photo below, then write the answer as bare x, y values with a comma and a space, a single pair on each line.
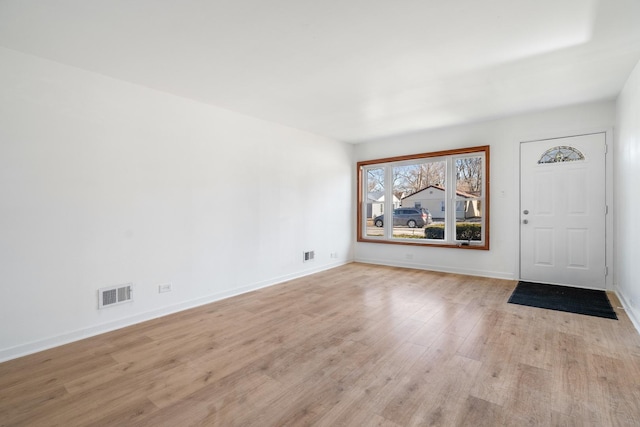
561, 154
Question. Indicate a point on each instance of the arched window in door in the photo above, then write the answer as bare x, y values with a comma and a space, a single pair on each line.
560, 154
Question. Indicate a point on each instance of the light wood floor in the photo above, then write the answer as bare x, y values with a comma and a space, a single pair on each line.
358, 345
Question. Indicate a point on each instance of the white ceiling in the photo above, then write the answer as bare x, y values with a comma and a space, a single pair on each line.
349, 69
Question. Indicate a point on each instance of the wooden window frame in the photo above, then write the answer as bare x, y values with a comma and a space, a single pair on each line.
390, 161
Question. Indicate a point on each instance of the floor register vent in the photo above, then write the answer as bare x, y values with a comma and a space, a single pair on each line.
115, 295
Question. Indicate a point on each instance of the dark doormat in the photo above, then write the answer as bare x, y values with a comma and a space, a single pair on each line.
563, 298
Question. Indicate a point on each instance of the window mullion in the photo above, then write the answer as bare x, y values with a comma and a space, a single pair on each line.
388, 197
450, 197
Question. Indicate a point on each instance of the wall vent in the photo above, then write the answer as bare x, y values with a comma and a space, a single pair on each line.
308, 256
115, 295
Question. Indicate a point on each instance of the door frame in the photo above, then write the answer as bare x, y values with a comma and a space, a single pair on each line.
609, 225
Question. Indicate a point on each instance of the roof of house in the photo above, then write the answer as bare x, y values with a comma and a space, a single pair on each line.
377, 196
374, 196
437, 187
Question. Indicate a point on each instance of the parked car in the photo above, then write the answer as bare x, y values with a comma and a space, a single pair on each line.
411, 217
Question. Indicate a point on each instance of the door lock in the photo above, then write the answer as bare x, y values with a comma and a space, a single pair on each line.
525, 221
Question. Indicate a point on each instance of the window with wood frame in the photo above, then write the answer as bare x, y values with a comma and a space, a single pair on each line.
433, 199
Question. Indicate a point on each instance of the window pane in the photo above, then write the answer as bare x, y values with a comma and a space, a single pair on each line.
468, 205
469, 227
374, 208
469, 176
420, 192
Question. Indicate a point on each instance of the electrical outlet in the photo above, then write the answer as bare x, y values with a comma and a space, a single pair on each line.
165, 287
334, 255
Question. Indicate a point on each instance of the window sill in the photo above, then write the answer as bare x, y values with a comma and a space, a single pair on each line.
408, 242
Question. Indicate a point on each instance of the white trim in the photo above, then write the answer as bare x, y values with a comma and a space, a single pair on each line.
633, 316
66, 338
439, 268
609, 232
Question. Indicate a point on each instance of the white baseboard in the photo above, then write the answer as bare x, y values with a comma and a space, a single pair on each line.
439, 268
633, 315
69, 337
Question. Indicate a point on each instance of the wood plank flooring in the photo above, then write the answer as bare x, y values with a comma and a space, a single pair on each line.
359, 345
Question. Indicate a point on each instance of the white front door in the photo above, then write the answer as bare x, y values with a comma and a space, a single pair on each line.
562, 211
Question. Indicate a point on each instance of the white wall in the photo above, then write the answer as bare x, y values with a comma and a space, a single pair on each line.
504, 137
627, 202
104, 182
